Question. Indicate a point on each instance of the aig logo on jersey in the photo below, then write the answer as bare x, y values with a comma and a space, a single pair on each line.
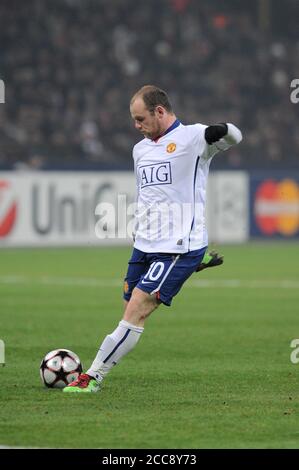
158, 173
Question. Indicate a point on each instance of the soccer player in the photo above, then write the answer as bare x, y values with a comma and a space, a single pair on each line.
171, 167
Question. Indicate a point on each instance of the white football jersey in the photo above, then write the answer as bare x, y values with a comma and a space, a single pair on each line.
171, 175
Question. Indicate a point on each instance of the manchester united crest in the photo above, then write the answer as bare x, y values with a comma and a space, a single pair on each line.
171, 147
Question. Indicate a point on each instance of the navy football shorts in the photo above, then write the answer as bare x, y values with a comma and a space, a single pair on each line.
160, 274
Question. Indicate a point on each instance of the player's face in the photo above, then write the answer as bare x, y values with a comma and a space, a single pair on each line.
150, 125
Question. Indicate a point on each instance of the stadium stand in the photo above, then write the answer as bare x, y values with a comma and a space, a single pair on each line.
70, 67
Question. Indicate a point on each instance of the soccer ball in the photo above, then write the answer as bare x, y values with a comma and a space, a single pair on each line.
59, 368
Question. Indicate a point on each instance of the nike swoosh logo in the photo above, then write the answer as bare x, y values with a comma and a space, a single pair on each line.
146, 282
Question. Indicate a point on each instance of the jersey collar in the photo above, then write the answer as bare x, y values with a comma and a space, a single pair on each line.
176, 123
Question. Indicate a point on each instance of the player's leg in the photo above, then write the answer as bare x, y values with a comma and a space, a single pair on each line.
126, 335
160, 283
134, 302
119, 343
141, 305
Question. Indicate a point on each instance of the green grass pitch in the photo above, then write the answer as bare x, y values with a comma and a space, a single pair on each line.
212, 371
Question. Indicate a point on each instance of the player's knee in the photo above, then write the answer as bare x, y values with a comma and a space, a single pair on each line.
140, 306
152, 305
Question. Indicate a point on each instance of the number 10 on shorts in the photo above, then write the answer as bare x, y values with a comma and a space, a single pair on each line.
155, 271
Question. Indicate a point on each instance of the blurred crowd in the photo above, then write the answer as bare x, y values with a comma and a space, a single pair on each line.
71, 66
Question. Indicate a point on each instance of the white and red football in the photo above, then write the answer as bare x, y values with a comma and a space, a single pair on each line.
59, 368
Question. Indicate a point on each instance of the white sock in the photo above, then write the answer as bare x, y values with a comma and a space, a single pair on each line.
113, 348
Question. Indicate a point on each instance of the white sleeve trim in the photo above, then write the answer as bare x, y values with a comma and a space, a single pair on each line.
233, 137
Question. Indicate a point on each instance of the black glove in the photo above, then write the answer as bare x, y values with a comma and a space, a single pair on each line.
214, 133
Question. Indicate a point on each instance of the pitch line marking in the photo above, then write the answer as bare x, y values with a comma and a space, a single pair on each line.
21, 447
198, 283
